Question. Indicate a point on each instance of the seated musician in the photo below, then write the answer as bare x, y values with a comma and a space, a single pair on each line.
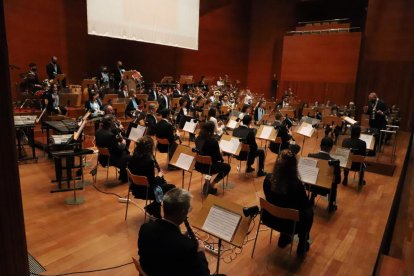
153, 93
124, 92
106, 138
182, 113
326, 147
31, 80
357, 147
143, 163
163, 249
207, 145
177, 92
282, 132
248, 136
225, 101
164, 100
334, 130
134, 106
218, 126
259, 110
283, 188
246, 110
151, 119
53, 105
94, 105
165, 130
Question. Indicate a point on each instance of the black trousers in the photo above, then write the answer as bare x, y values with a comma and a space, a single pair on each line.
361, 175
219, 168
257, 153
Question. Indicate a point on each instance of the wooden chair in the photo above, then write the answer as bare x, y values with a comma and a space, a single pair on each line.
105, 152
137, 180
244, 148
205, 160
357, 159
278, 212
138, 267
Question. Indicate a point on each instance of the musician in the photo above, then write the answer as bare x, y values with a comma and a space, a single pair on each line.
94, 105
357, 147
284, 103
284, 188
202, 83
377, 110
153, 93
134, 106
53, 106
31, 79
163, 249
119, 158
246, 110
124, 93
248, 136
103, 77
260, 110
207, 145
248, 97
282, 132
182, 113
177, 93
225, 101
165, 130
334, 130
326, 146
116, 126
53, 69
164, 100
118, 73
143, 163
218, 126
151, 119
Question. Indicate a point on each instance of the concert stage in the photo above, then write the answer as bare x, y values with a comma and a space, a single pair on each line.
94, 235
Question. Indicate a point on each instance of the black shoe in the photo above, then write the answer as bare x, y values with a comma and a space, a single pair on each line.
261, 173
212, 191
206, 188
172, 168
249, 170
284, 240
345, 182
332, 208
303, 247
153, 209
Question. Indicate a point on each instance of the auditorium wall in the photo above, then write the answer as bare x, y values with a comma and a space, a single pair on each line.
387, 62
36, 30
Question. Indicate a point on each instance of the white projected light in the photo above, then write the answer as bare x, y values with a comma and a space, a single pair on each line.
166, 22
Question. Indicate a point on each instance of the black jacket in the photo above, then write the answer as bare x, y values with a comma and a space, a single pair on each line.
130, 107
164, 130
380, 121
163, 250
50, 69
105, 138
283, 133
162, 103
152, 94
248, 135
150, 122
358, 147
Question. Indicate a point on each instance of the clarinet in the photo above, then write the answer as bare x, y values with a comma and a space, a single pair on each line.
190, 232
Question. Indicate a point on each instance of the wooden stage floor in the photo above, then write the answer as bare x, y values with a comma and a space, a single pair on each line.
94, 235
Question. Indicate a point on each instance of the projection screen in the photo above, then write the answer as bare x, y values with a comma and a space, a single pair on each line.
165, 22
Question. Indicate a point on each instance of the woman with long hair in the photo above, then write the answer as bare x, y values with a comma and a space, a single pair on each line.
207, 145
284, 188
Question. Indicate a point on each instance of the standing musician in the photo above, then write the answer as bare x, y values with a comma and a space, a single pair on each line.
377, 110
177, 92
118, 73
164, 100
103, 77
53, 69
248, 136
153, 93
163, 249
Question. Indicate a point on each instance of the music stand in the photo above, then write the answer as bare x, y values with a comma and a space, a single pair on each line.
306, 130
288, 113
270, 106
266, 133
186, 79
224, 147
190, 127
108, 98
328, 120
225, 110
307, 111
151, 102
232, 123
143, 97
240, 232
175, 102
183, 164
167, 79
58, 78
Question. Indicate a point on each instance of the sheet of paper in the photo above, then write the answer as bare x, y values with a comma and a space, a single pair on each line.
229, 146
306, 129
342, 154
221, 223
308, 174
184, 161
304, 161
266, 132
349, 120
136, 133
232, 124
190, 126
368, 139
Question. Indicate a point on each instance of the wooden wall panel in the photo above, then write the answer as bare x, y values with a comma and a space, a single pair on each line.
387, 63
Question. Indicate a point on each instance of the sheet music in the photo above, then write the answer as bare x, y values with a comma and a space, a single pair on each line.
266, 132
367, 139
308, 174
306, 129
184, 161
349, 120
61, 139
304, 161
232, 124
24, 120
136, 133
190, 126
221, 223
342, 154
230, 146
